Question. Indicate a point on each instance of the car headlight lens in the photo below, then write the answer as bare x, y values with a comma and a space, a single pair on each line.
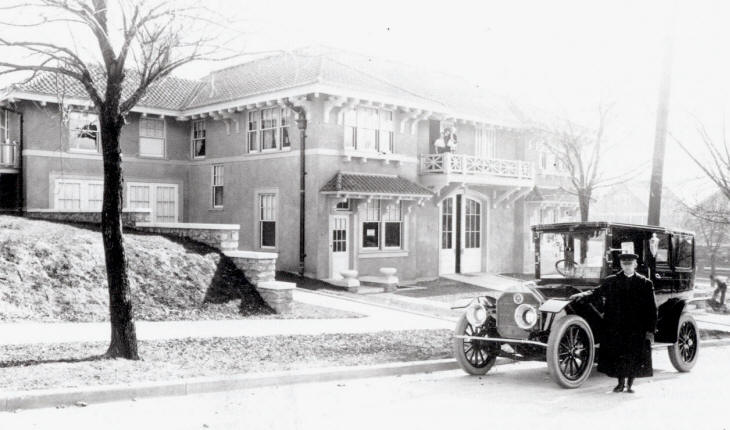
525, 316
476, 314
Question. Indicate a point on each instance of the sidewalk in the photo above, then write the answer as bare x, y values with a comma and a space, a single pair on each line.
377, 318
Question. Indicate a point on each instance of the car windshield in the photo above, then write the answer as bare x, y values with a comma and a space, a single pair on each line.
572, 254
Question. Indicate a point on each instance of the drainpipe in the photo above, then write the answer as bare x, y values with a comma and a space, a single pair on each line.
302, 126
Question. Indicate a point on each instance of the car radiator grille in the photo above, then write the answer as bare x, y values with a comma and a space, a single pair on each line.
506, 325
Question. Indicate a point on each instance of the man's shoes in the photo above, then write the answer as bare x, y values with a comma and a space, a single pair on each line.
630, 390
618, 388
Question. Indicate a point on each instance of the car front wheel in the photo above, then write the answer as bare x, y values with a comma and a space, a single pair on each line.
570, 351
472, 355
684, 353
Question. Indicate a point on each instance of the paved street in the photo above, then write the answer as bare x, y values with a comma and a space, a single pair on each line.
515, 395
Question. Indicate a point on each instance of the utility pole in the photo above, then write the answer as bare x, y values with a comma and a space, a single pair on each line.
660, 136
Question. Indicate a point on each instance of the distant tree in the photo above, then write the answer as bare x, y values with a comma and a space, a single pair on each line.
137, 43
716, 170
580, 151
712, 233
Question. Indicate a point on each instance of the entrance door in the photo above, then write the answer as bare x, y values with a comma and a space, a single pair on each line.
471, 254
447, 242
461, 229
339, 246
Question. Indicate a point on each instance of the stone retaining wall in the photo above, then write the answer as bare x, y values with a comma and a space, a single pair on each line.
130, 218
260, 269
257, 266
220, 236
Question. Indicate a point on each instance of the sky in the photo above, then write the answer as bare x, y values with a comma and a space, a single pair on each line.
563, 56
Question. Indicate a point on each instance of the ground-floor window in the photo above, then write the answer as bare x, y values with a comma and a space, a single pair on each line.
161, 199
78, 194
267, 219
382, 225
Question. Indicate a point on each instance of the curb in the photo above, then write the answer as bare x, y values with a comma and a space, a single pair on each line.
108, 393
34, 399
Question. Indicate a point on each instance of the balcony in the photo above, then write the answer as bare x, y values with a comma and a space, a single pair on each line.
9, 156
440, 170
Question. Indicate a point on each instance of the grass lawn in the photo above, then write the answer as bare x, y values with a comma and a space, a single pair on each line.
29, 367
56, 272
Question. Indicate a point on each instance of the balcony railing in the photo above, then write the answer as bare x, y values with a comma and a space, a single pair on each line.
448, 163
9, 154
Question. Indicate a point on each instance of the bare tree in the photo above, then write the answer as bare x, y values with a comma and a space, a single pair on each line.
713, 233
716, 170
580, 151
137, 43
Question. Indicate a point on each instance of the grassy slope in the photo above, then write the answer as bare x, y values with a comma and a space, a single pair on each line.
51, 272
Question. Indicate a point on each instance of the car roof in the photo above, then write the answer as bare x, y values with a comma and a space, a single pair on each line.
603, 224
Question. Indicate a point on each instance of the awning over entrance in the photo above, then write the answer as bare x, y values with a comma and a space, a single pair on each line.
371, 185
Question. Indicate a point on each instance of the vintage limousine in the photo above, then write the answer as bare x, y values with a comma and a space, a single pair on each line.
536, 320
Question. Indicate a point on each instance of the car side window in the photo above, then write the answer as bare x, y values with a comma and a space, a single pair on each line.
682, 251
662, 254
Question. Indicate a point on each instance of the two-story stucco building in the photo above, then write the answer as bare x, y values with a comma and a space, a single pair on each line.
382, 185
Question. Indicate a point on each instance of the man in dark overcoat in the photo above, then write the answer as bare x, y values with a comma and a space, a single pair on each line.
629, 322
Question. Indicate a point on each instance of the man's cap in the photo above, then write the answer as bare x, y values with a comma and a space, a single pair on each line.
628, 256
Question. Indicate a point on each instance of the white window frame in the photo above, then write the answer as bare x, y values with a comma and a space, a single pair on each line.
195, 139
381, 124
71, 139
382, 221
254, 129
153, 197
85, 186
217, 180
162, 139
259, 219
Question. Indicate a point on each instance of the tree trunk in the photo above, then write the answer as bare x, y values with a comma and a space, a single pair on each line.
123, 333
584, 201
713, 261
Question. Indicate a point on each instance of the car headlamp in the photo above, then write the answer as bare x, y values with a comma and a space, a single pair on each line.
476, 314
525, 316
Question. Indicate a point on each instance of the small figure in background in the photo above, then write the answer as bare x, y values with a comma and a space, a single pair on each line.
720, 289
447, 141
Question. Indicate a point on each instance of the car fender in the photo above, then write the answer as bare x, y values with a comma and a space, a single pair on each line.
668, 315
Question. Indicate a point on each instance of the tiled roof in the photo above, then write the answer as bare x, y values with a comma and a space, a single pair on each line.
264, 75
345, 71
356, 72
169, 93
373, 184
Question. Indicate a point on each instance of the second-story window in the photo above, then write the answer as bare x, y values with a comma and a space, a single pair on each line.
217, 191
485, 142
151, 137
198, 138
369, 129
83, 132
268, 129
3, 126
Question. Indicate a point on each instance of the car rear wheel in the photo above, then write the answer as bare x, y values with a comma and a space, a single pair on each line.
684, 353
473, 355
570, 351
